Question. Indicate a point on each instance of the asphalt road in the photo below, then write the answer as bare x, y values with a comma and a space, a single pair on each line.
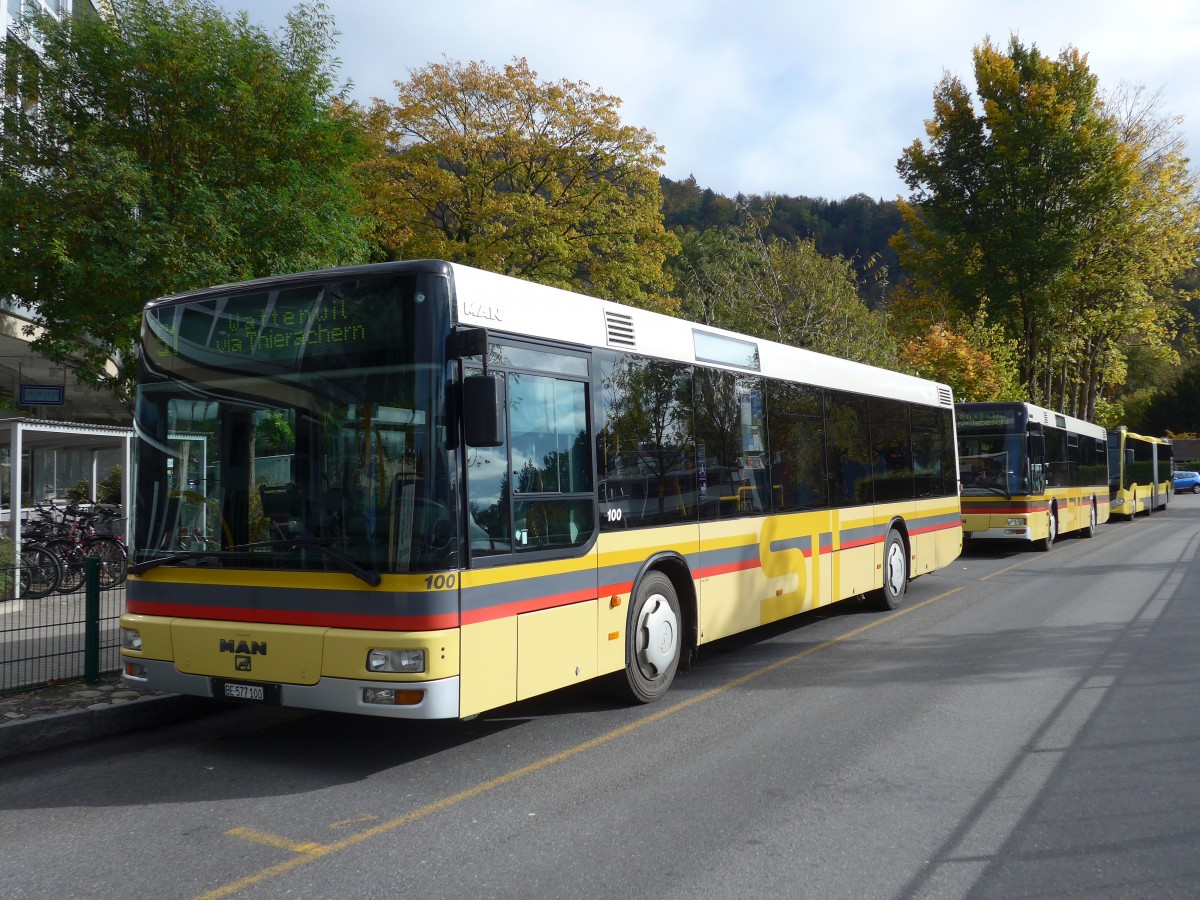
1028, 724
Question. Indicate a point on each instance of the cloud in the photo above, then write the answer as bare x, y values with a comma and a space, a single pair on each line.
768, 96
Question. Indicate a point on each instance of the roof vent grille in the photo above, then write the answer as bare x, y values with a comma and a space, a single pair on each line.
619, 328
945, 396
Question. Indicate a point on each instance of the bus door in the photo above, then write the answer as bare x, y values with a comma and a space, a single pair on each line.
1036, 446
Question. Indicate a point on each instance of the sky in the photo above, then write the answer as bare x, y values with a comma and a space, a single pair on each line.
790, 97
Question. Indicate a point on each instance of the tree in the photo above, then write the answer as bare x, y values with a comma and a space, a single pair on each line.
539, 180
977, 360
169, 148
781, 290
1024, 202
1175, 408
1137, 257
856, 228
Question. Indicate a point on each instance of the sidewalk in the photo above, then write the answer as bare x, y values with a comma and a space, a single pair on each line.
74, 712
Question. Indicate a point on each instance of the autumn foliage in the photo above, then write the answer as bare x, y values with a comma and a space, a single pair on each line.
539, 180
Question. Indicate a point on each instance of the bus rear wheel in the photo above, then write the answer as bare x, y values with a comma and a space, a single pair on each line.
653, 635
895, 574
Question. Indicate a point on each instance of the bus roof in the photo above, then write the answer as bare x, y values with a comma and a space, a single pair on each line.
503, 304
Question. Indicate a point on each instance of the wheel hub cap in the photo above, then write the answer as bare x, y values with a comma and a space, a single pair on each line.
895, 569
658, 635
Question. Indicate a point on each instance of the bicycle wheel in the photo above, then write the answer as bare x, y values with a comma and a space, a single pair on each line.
40, 571
113, 562
70, 555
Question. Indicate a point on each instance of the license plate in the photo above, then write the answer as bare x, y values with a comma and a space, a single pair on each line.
247, 692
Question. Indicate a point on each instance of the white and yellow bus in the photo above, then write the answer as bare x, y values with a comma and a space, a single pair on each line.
422, 490
1030, 474
1140, 470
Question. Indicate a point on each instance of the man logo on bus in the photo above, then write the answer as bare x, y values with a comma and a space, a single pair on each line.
245, 648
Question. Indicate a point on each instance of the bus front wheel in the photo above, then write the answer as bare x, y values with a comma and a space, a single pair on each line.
653, 636
1051, 531
1089, 530
895, 574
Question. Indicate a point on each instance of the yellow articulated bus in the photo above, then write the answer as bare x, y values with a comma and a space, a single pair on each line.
1140, 470
422, 490
1030, 474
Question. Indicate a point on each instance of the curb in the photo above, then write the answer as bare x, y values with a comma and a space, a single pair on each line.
74, 726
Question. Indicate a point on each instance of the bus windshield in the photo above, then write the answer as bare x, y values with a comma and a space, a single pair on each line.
993, 463
299, 426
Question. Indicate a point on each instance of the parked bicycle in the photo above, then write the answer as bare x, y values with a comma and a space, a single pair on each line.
74, 535
40, 570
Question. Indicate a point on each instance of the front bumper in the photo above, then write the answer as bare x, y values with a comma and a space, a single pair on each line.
328, 694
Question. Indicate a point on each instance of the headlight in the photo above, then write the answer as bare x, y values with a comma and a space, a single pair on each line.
1118, 503
131, 639
408, 661
1016, 523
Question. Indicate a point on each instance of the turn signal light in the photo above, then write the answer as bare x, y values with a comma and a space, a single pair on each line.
135, 669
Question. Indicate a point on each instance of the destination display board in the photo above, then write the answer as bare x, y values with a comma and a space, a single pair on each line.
990, 420
305, 327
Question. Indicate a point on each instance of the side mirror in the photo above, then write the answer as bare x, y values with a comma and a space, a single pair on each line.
1037, 446
483, 410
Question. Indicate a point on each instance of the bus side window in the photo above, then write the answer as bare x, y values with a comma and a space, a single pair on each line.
796, 435
535, 491
847, 446
643, 439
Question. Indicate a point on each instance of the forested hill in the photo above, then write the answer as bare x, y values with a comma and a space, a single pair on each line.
855, 227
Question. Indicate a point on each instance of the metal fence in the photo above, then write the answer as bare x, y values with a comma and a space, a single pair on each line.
61, 636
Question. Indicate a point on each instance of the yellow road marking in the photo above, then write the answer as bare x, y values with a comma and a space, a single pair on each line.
357, 820
272, 840
318, 851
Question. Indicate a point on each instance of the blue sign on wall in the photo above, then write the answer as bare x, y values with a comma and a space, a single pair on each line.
41, 395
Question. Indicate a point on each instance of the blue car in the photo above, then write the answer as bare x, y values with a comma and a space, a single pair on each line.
1186, 481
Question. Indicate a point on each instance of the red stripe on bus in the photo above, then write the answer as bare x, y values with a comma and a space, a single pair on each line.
932, 528
293, 617
866, 542
726, 568
609, 590
532, 604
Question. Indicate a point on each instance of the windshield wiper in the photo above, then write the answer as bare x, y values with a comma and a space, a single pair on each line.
170, 559
370, 576
1002, 492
